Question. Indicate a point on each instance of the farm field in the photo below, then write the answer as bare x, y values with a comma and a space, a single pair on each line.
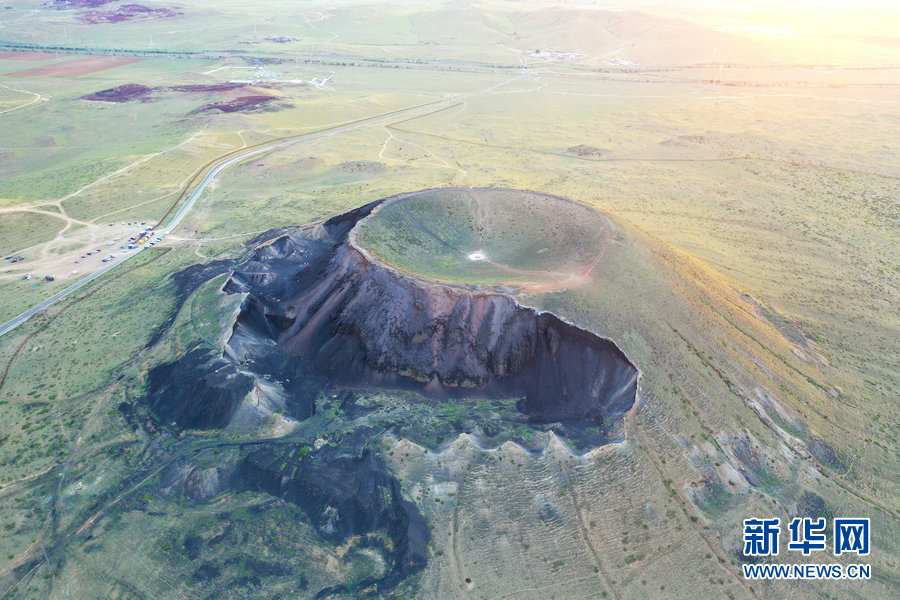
709, 197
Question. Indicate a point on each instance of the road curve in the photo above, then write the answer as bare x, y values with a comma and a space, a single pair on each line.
176, 219
227, 162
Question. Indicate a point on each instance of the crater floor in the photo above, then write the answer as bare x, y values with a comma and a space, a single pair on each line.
497, 237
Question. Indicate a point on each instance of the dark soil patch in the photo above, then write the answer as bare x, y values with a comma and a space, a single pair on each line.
122, 93
282, 39
240, 104
825, 454
345, 494
207, 572
192, 546
363, 166
136, 91
44, 141
137, 417
752, 464
813, 506
584, 150
127, 12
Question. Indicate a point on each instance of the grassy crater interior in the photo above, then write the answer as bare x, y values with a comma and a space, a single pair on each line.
486, 236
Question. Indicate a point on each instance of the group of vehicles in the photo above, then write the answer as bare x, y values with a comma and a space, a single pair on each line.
146, 236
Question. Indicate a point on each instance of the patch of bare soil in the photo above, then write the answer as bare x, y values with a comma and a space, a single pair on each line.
44, 141
685, 140
76, 66
32, 56
122, 93
127, 12
584, 150
363, 166
240, 104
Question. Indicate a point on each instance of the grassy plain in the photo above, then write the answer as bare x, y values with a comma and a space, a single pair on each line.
752, 278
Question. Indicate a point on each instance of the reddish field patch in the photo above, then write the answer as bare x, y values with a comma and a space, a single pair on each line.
240, 104
127, 12
122, 93
70, 4
136, 91
77, 66
33, 56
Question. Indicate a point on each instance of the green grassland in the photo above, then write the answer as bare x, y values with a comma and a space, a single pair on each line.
433, 234
22, 228
56, 143
751, 276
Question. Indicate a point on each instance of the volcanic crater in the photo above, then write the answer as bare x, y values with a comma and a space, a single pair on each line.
318, 315
319, 309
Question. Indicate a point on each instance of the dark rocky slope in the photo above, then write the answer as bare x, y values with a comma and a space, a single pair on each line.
346, 496
317, 311
345, 491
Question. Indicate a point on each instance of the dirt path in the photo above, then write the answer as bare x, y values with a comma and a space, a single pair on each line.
29, 103
652, 453
141, 160
456, 562
585, 533
7, 486
74, 446
69, 220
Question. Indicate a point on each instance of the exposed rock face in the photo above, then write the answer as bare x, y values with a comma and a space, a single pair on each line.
215, 392
362, 322
316, 312
317, 309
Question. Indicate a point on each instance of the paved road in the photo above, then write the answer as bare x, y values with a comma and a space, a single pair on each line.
15, 322
380, 118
